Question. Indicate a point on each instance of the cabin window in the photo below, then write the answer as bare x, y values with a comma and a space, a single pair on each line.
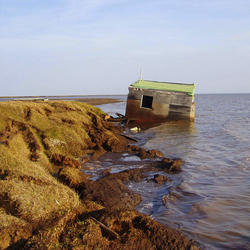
147, 101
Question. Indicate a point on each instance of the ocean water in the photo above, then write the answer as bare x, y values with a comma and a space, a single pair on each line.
210, 200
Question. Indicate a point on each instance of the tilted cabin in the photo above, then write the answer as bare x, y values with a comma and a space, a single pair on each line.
151, 101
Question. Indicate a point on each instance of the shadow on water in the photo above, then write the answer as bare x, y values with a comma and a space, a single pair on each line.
174, 139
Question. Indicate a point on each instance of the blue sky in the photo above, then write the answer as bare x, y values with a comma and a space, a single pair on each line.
65, 47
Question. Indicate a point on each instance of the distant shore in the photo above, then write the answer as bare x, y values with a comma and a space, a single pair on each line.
97, 101
92, 100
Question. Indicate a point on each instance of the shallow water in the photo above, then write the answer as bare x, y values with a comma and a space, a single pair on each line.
210, 200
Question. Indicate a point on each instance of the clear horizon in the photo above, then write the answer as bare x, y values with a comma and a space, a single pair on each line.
112, 95
94, 47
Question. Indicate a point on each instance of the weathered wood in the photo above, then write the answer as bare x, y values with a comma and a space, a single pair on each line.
165, 105
166, 97
116, 119
179, 108
184, 100
120, 115
130, 138
105, 228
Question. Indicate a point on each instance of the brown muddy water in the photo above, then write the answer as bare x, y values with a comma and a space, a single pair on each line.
210, 200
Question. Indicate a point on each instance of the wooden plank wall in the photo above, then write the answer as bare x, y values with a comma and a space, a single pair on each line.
166, 105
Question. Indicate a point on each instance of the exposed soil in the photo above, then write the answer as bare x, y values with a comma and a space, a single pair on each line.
47, 202
160, 179
122, 229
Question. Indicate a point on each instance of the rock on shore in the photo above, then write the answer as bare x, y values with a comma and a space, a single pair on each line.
46, 202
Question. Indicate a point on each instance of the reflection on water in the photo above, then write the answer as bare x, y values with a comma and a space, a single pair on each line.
181, 135
210, 199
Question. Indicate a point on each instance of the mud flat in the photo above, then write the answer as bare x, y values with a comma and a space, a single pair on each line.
98, 101
89, 100
48, 202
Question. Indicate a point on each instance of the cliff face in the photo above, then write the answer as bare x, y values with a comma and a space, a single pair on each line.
42, 148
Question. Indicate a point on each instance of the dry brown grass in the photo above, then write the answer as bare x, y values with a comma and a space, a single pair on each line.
72, 177
43, 140
30, 133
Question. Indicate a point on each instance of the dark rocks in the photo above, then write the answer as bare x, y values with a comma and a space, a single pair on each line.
172, 166
176, 166
160, 179
143, 153
106, 172
135, 174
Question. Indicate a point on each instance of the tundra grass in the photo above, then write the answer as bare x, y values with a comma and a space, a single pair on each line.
30, 133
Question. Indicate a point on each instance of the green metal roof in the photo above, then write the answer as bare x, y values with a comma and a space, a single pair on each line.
167, 86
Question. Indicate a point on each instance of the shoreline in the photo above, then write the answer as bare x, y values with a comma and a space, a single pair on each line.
41, 150
97, 101
92, 100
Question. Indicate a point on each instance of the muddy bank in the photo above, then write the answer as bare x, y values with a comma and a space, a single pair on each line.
47, 202
97, 101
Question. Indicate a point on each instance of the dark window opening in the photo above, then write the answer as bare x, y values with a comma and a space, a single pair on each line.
147, 101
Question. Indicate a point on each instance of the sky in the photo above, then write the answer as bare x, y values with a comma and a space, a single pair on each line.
86, 47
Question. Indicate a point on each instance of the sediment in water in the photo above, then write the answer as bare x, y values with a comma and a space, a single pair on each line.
46, 202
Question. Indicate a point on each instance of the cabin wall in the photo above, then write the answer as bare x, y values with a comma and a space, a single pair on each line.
165, 106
